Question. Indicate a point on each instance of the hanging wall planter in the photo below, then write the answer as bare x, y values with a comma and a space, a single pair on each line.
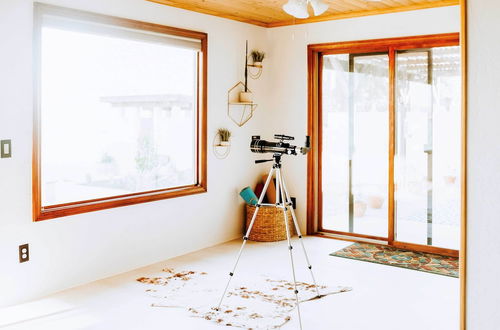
224, 135
222, 143
257, 58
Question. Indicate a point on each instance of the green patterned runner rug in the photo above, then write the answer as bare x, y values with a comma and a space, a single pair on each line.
387, 255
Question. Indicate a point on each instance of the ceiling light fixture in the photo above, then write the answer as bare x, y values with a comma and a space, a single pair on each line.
298, 8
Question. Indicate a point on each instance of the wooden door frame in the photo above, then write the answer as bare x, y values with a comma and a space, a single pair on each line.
314, 179
463, 178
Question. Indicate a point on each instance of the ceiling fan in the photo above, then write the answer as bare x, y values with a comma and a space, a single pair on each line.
298, 8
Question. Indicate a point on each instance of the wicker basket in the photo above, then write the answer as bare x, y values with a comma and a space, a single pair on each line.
269, 225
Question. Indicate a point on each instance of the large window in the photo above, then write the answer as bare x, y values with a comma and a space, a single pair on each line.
120, 112
386, 120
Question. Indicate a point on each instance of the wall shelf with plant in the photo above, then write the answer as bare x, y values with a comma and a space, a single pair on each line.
222, 143
257, 58
240, 105
239, 111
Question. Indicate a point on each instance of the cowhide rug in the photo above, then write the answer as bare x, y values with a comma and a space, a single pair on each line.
263, 303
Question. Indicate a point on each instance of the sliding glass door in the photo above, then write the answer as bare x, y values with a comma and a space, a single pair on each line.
427, 158
389, 138
355, 142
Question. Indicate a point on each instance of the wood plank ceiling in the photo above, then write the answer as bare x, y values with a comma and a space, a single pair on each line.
268, 13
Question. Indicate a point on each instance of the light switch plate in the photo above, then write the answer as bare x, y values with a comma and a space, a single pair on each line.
5, 149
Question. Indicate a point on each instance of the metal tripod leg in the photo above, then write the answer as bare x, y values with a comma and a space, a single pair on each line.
245, 238
283, 205
297, 228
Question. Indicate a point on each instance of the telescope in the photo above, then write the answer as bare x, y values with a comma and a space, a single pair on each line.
281, 147
283, 202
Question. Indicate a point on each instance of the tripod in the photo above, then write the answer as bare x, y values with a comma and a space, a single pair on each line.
284, 202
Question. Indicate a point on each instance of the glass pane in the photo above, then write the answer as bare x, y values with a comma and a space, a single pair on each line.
117, 116
427, 160
355, 143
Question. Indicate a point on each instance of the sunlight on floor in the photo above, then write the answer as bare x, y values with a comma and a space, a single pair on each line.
383, 297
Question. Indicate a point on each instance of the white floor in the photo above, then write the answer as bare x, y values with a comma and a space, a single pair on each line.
383, 297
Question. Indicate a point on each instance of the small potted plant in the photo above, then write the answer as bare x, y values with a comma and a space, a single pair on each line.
224, 135
246, 96
257, 57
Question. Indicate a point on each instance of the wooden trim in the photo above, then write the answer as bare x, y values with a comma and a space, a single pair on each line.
35, 168
319, 155
354, 14
203, 114
399, 245
383, 45
339, 238
392, 144
425, 248
343, 233
310, 156
387, 45
463, 177
312, 160
200, 186
76, 14
56, 211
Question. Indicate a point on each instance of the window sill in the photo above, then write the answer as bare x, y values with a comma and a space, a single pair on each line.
63, 210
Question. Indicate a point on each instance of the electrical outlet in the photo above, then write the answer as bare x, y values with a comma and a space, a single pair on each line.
294, 202
24, 253
5, 149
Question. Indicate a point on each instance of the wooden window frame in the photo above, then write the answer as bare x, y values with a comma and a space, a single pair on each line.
200, 186
314, 162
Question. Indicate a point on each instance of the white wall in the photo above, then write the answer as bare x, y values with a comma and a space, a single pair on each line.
288, 66
483, 208
69, 251
73, 250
